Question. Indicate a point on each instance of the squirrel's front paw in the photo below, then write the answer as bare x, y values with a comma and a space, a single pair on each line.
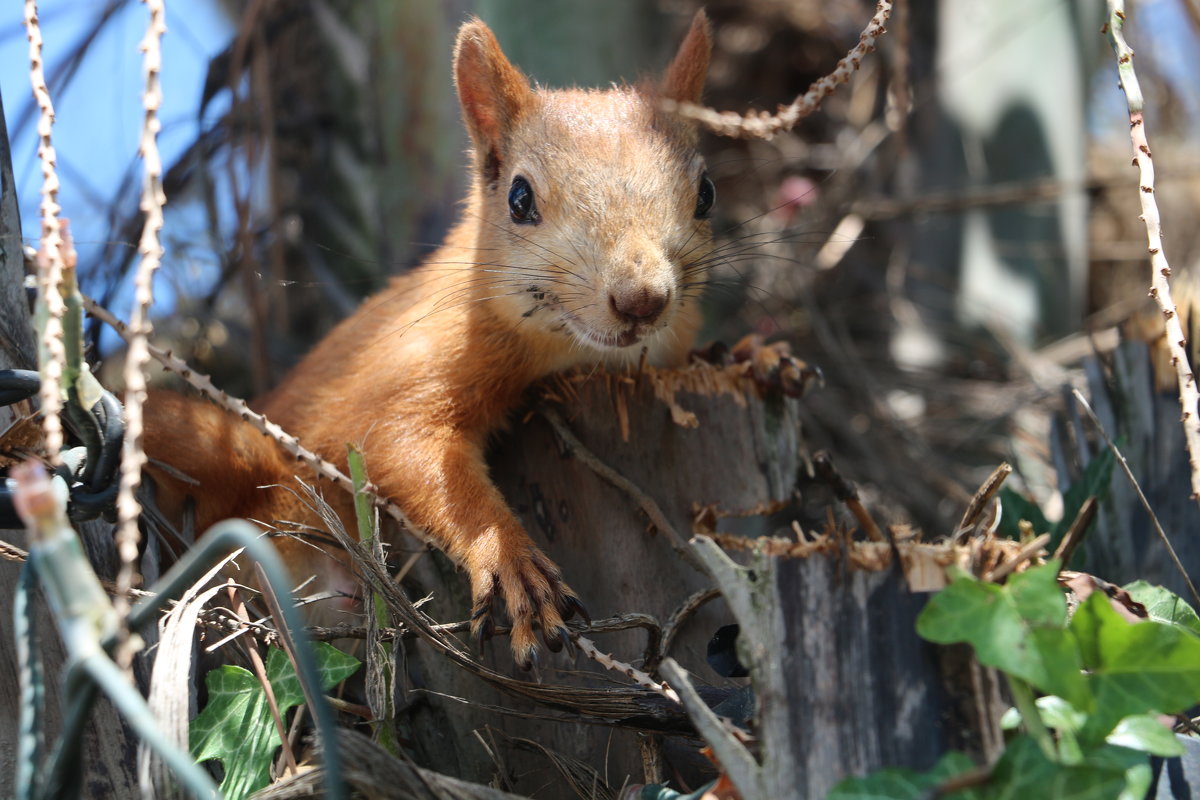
533, 591
773, 366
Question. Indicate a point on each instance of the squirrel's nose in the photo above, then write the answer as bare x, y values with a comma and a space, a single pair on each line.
639, 305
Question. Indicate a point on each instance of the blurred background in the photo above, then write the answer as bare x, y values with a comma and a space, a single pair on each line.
953, 238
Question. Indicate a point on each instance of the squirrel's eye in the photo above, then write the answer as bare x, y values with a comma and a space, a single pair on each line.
705, 197
520, 202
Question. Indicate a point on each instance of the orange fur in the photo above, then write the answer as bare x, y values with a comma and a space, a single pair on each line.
425, 371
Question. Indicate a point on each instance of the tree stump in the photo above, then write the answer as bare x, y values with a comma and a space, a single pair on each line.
844, 684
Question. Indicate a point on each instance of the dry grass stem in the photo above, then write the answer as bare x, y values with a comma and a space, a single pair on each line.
1160, 270
761, 125
1074, 535
50, 259
133, 458
260, 671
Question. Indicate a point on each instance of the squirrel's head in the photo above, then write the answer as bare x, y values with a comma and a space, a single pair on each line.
592, 205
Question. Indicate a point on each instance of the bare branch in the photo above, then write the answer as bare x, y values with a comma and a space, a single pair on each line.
133, 457
50, 259
761, 125
1160, 286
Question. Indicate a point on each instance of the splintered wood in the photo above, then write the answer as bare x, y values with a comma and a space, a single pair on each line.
733, 380
973, 546
924, 564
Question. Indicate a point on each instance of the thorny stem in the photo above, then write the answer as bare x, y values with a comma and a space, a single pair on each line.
50, 256
133, 457
761, 125
1160, 287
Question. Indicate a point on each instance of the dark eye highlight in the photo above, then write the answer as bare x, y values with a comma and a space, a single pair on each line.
521, 207
705, 196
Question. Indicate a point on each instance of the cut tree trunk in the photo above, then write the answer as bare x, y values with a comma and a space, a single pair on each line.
844, 684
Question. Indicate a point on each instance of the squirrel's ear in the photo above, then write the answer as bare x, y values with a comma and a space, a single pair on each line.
493, 93
684, 79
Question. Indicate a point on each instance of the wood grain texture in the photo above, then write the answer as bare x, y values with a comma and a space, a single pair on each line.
850, 687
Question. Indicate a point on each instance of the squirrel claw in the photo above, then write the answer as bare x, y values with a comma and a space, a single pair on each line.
534, 594
773, 366
530, 662
558, 638
572, 606
482, 628
565, 637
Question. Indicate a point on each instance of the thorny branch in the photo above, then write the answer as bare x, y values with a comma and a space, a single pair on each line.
133, 457
761, 125
50, 258
1160, 286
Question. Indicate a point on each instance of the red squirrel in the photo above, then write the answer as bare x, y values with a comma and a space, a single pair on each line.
583, 240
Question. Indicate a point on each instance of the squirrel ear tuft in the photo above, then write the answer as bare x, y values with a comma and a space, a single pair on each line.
684, 79
492, 92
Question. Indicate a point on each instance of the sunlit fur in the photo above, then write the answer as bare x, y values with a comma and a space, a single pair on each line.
425, 371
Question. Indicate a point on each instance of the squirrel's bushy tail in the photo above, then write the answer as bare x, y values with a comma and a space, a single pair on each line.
199, 450
229, 469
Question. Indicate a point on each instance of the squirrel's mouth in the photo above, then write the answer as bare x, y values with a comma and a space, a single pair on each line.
584, 333
604, 340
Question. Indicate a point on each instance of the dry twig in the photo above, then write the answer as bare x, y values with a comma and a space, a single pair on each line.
983, 495
1160, 286
1028, 551
762, 125
1074, 535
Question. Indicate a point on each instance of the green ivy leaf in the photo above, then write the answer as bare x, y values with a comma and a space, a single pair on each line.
1133, 668
1164, 605
1024, 771
905, 784
1018, 628
1144, 732
236, 726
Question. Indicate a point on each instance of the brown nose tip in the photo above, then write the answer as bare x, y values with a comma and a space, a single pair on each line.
641, 305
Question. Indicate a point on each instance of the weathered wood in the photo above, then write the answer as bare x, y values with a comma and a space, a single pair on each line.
844, 682
1144, 420
743, 454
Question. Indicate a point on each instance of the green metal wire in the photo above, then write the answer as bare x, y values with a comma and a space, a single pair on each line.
29, 664
220, 539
